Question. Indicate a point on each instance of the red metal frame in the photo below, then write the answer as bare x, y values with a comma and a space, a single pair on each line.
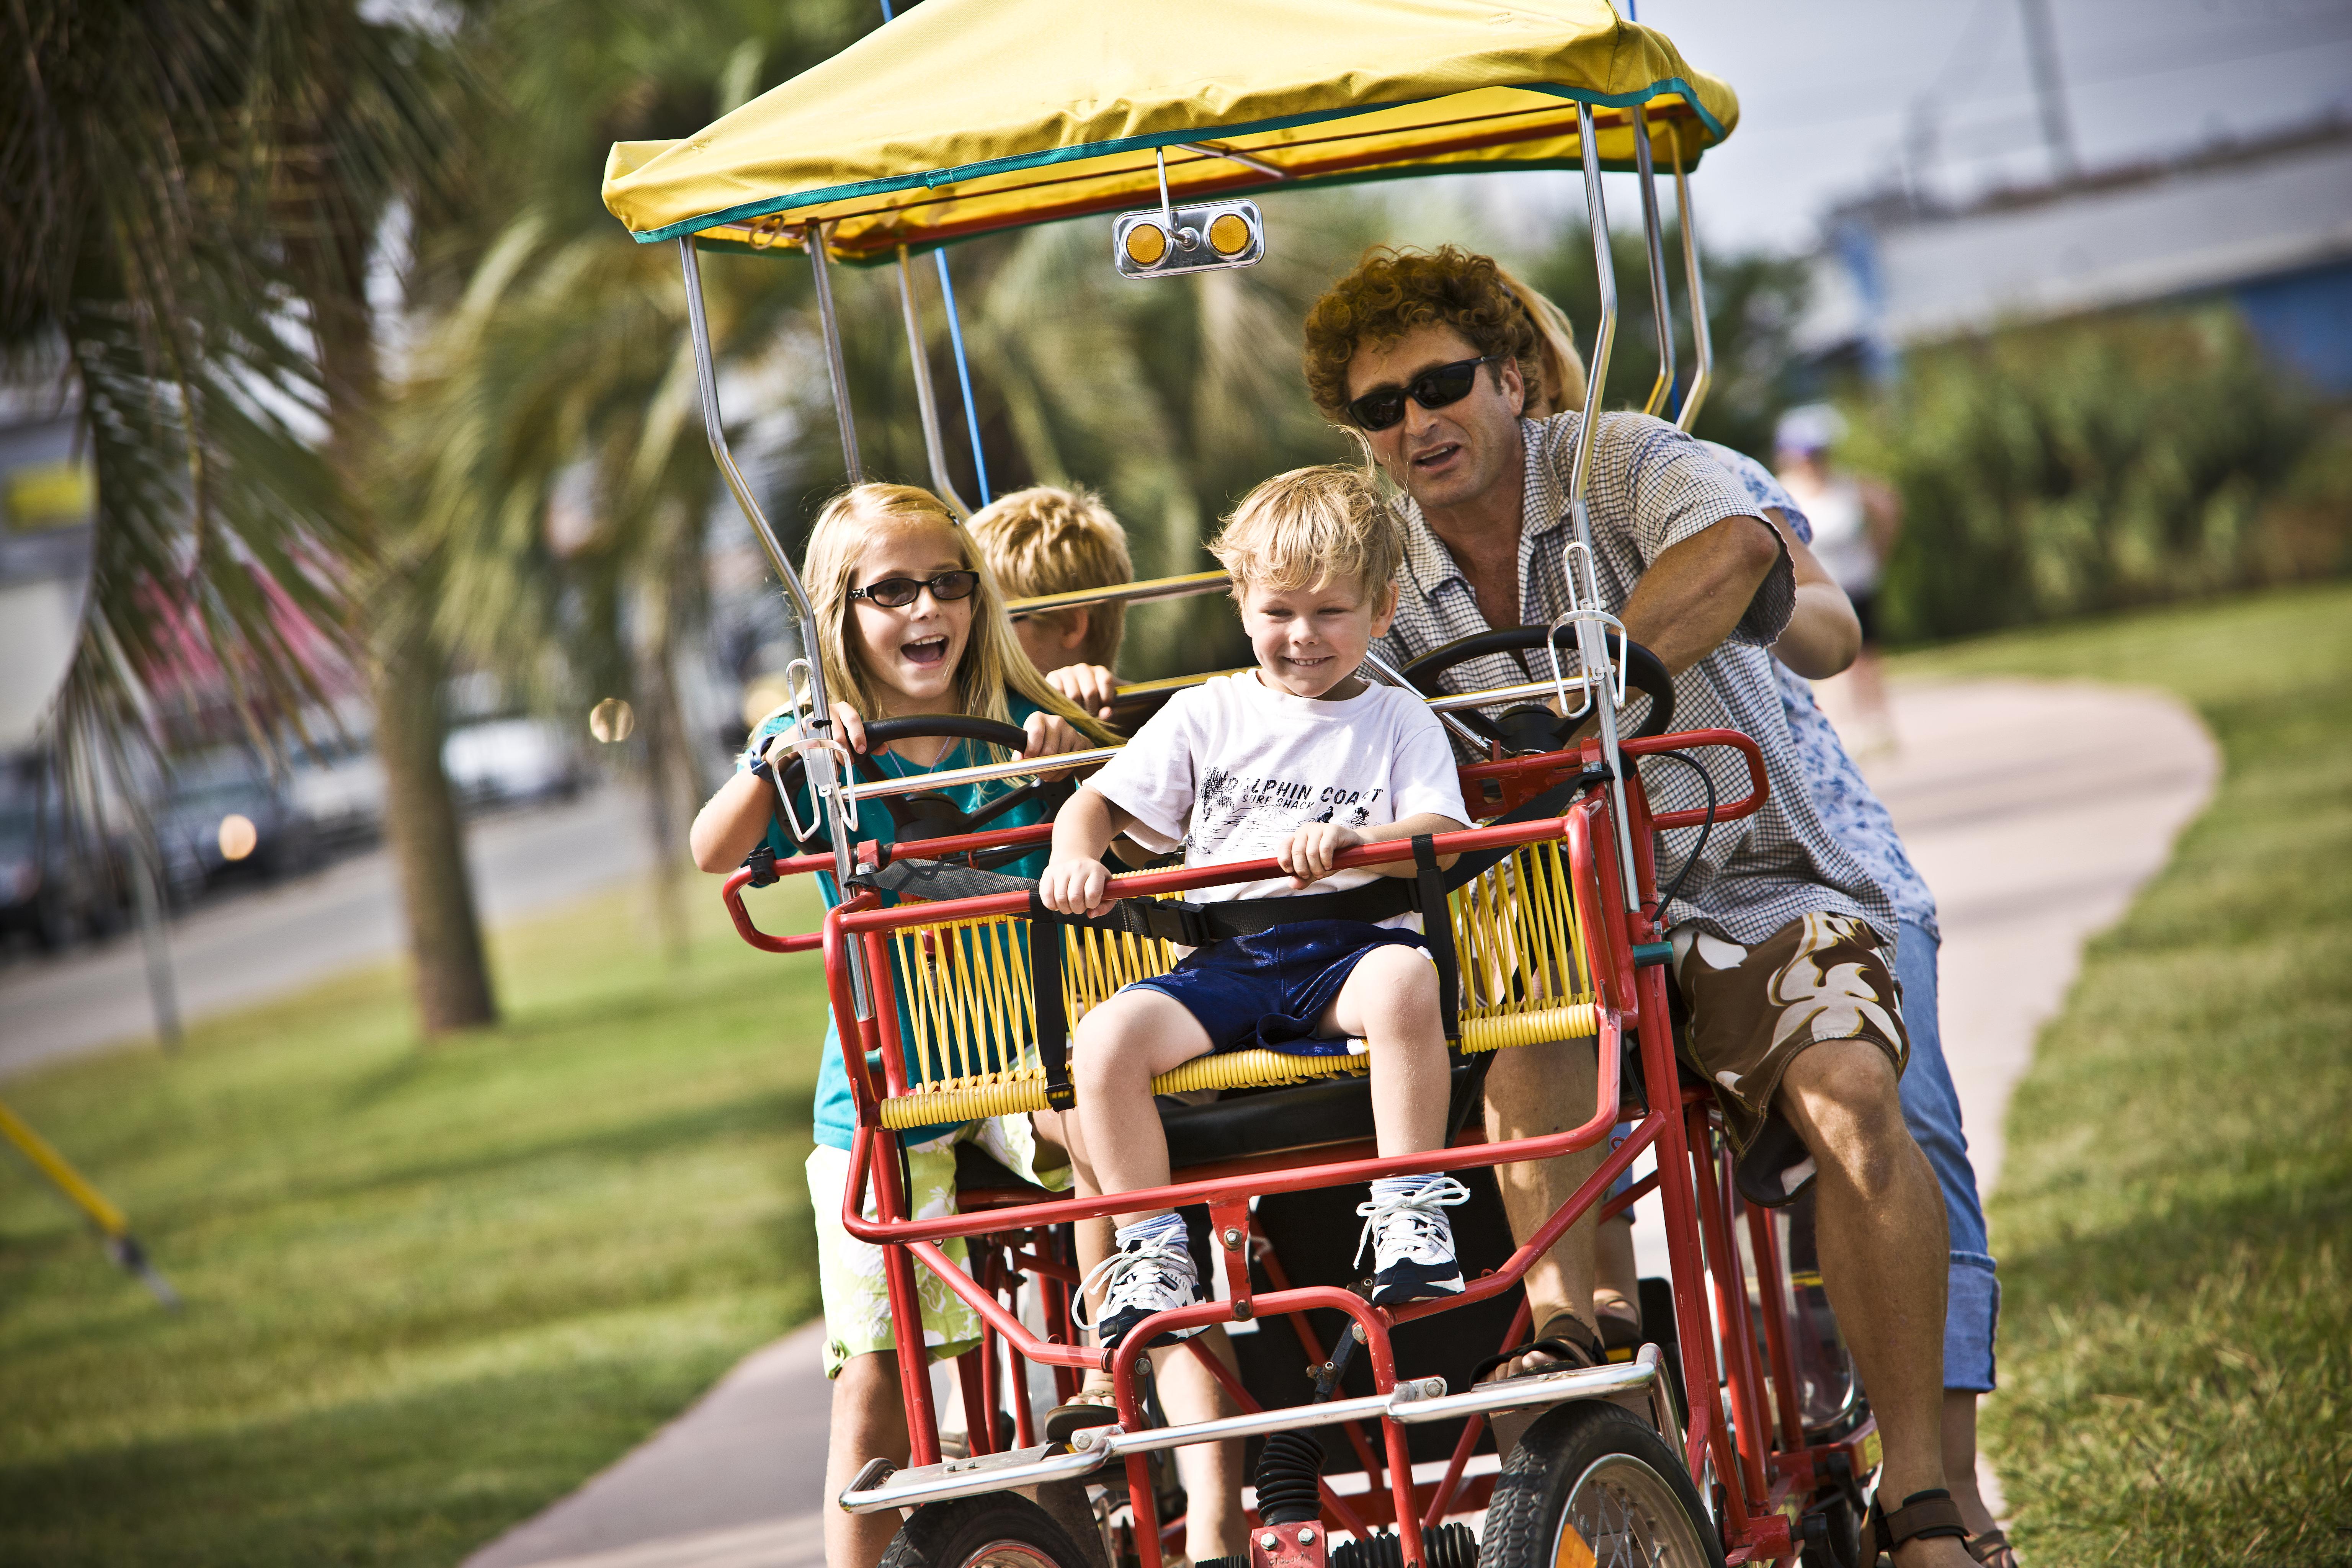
1758, 1449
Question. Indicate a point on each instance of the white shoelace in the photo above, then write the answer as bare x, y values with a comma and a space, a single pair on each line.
1420, 1212
1127, 1274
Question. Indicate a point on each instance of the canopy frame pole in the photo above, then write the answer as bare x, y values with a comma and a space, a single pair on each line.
934, 444
1702, 340
963, 376
816, 717
834, 369
1585, 608
1184, 238
1653, 244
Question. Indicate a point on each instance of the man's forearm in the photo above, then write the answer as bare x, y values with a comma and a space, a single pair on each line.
1693, 596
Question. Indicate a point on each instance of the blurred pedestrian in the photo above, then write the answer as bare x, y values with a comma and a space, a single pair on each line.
1855, 519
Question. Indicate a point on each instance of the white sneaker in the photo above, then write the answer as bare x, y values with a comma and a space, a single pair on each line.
1413, 1244
1139, 1280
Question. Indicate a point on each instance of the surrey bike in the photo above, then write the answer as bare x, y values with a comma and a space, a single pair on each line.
1738, 1434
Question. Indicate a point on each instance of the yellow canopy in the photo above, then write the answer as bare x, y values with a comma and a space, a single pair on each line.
964, 116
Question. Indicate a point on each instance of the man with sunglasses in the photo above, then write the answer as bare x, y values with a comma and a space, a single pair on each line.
1781, 936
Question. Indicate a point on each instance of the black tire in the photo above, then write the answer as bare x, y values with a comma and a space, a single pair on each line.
1001, 1530
1604, 1470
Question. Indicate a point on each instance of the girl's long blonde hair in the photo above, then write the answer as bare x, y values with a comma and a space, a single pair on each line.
992, 662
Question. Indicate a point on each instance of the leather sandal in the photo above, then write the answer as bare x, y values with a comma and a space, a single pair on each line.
1923, 1515
1092, 1406
1621, 1326
1992, 1549
1565, 1338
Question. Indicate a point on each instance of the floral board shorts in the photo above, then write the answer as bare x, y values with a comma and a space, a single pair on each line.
849, 1271
1753, 1010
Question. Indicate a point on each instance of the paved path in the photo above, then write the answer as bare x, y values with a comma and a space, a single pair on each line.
272, 941
2034, 811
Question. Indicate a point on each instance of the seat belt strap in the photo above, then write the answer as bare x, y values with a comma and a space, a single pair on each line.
1046, 989
1437, 933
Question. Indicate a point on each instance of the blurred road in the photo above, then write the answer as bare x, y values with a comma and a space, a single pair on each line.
264, 943
2034, 810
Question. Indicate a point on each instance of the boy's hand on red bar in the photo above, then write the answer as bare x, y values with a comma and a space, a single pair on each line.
1309, 854
1074, 885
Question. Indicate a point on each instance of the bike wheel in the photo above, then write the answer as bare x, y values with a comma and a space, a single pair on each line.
1602, 1473
1004, 1531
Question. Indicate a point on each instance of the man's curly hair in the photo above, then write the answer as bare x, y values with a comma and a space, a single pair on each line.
1392, 292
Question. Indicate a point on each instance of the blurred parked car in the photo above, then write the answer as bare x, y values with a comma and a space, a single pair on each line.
338, 787
54, 886
205, 791
507, 762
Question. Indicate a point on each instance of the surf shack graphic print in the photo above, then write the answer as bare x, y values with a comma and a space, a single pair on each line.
1241, 818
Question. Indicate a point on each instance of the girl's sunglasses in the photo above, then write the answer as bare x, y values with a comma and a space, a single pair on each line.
898, 593
1433, 388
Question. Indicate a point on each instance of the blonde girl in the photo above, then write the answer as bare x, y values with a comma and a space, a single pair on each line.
909, 621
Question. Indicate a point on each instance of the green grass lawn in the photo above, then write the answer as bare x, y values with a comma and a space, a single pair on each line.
2174, 1223
429, 1287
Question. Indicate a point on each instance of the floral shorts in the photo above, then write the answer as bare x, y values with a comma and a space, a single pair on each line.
849, 1271
1754, 1010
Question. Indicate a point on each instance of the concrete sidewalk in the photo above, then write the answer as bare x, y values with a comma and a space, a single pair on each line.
2034, 810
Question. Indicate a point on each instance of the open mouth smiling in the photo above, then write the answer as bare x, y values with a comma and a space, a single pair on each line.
925, 651
1435, 455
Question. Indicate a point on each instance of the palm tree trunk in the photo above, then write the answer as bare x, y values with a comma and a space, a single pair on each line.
451, 973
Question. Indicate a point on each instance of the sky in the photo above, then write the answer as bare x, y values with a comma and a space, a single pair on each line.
1841, 97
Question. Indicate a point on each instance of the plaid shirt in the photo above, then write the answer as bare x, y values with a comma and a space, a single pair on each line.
1652, 488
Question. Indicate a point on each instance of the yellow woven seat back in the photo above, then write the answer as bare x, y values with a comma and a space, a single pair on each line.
973, 1048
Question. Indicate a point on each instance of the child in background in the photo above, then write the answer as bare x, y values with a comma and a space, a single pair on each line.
1298, 759
1047, 540
909, 621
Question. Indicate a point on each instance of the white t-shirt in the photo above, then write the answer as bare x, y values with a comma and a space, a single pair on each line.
1231, 768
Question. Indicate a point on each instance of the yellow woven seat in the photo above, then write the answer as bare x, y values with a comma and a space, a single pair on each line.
973, 1051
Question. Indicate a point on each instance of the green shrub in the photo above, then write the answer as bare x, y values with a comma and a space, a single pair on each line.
2095, 465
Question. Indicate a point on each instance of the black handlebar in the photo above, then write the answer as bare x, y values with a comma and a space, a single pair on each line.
1644, 672
949, 726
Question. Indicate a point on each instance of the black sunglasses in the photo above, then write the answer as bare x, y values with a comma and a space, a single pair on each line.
1433, 388
898, 593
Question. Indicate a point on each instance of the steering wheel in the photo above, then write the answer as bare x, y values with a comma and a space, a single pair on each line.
933, 814
1531, 727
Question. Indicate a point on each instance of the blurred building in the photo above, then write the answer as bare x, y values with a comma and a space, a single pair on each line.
2267, 224
45, 500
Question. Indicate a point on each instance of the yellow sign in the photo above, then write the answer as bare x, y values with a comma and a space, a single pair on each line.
56, 494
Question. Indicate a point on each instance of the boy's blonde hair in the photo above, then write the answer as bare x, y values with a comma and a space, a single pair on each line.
1048, 539
1310, 525
992, 662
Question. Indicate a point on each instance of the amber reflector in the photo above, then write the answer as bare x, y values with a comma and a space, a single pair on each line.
1145, 243
1229, 235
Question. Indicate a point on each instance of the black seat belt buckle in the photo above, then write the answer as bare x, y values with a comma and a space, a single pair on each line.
1176, 920
761, 863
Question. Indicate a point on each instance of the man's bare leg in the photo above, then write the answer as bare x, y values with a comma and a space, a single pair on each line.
869, 1418
1880, 1217
1211, 1472
1617, 1275
1532, 1091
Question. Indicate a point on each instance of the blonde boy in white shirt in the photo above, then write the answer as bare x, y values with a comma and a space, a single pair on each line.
1297, 760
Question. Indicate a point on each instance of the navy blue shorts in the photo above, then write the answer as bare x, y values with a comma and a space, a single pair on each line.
1271, 989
